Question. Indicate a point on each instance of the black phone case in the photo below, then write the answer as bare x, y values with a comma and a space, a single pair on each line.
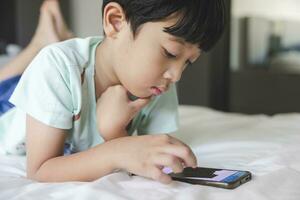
206, 172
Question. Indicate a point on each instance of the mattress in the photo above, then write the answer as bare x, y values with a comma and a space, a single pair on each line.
268, 146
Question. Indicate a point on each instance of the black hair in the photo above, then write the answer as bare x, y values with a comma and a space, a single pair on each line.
201, 22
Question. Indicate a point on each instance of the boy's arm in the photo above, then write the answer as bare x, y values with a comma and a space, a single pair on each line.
110, 136
118, 134
115, 112
46, 163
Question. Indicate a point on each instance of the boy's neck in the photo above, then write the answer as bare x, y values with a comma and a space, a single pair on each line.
104, 72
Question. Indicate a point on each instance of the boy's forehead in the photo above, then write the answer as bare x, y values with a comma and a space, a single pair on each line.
177, 39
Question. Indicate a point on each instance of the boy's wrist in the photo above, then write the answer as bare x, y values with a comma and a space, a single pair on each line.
116, 159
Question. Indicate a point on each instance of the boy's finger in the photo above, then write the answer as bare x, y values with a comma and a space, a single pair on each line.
184, 153
158, 175
170, 161
176, 141
140, 103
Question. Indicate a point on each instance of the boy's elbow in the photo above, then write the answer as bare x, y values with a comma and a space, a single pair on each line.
35, 175
32, 176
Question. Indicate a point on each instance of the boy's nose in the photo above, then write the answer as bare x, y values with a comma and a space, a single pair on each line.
174, 74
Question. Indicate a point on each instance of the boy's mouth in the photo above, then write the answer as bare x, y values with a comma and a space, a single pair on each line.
156, 91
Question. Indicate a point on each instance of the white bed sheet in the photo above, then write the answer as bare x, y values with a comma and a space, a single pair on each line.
266, 146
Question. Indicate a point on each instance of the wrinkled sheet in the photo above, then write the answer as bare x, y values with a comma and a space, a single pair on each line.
269, 147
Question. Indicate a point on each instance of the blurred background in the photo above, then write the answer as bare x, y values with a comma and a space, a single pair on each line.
254, 68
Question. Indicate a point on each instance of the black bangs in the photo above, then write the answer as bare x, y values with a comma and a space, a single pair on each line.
200, 21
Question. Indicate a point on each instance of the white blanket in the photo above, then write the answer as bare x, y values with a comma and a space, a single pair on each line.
266, 146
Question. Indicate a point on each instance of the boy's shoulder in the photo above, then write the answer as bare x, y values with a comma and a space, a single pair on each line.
76, 51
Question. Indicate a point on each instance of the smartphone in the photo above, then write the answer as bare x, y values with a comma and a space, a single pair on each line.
223, 178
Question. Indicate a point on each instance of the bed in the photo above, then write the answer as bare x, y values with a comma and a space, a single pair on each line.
268, 146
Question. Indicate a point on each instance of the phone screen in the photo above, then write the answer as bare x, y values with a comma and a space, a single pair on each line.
210, 174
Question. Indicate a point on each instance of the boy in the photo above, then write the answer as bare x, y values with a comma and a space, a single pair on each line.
90, 94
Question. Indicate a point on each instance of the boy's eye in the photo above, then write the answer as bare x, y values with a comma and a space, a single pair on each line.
168, 54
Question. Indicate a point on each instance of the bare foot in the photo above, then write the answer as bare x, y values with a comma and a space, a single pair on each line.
51, 27
46, 31
63, 31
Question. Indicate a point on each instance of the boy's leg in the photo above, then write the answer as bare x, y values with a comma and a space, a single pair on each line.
51, 28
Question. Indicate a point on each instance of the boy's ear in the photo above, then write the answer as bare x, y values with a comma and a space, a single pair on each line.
113, 19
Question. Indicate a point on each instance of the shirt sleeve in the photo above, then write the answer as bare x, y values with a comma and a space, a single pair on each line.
161, 116
44, 90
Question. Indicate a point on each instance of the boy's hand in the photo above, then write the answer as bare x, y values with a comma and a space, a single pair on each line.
147, 155
115, 111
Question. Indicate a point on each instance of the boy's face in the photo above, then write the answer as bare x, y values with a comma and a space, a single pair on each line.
147, 64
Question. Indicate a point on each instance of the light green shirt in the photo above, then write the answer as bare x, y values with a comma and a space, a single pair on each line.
58, 90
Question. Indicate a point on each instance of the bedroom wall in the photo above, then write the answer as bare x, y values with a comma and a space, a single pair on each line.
260, 83
278, 9
259, 28
26, 20
85, 18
